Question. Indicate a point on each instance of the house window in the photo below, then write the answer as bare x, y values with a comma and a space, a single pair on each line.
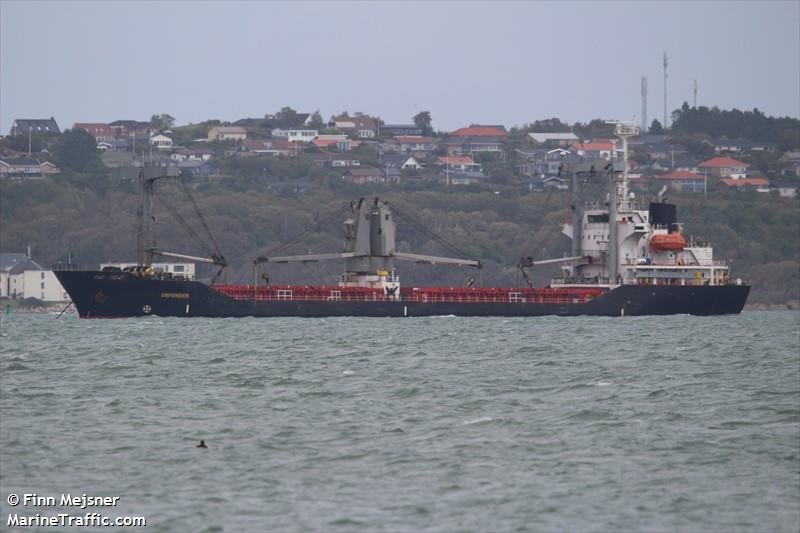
178, 268
42, 277
42, 285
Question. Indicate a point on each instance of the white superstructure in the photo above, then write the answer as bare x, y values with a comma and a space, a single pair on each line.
644, 246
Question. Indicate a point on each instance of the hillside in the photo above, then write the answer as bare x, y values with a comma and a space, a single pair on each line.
757, 232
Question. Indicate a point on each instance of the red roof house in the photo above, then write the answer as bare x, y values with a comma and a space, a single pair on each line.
725, 167
682, 180
759, 183
100, 131
681, 175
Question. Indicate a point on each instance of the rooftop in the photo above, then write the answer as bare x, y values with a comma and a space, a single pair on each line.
680, 175
723, 162
17, 263
479, 131
752, 182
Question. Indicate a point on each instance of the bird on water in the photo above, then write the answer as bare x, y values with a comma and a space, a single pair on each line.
202, 444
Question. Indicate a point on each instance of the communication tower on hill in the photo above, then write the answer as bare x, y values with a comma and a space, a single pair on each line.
665, 90
644, 103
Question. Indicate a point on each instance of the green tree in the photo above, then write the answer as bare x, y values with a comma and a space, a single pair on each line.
656, 127
316, 122
164, 121
422, 120
20, 143
550, 125
77, 150
287, 118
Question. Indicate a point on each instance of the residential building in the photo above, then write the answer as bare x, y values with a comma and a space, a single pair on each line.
271, 147
22, 277
457, 145
101, 132
665, 151
401, 130
668, 165
34, 126
760, 184
279, 120
543, 183
360, 126
161, 142
786, 189
411, 143
543, 162
198, 168
364, 175
227, 133
461, 178
557, 139
462, 163
11, 264
681, 180
596, 150
129, 128
303, 136
725, 167
647, 139
26, 167
740, 146
340, 141
401, 161
731, 146
192, 154
326, 159
476, 130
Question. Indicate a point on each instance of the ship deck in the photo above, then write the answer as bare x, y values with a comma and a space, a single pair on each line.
548, 295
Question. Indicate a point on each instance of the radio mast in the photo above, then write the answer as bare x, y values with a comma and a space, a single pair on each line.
695, 93
644, 103
665, 90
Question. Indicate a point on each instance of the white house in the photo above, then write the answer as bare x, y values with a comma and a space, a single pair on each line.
161, 142
227, 133
562, 139
21, 277
361, 126
304, 136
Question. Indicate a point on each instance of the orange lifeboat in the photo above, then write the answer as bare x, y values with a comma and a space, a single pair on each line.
667, 242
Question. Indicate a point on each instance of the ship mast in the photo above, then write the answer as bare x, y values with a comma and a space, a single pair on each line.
145, 240
618, 194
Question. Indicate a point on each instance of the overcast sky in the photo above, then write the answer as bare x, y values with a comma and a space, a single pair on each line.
466, 62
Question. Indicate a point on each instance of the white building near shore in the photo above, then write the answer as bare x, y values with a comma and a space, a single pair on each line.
22, 277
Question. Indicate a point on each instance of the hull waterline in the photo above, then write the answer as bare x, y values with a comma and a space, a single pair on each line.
118, 295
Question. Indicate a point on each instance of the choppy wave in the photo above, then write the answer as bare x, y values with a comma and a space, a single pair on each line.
349, 424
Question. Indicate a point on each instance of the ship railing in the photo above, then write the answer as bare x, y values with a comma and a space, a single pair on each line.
518, 298
594, 280
62, 267
651, 262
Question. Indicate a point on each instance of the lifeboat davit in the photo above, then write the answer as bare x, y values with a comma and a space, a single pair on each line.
667, 242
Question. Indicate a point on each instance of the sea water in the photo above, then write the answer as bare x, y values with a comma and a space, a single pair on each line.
425, 424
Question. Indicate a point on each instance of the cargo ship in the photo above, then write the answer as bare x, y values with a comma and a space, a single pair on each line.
626, 259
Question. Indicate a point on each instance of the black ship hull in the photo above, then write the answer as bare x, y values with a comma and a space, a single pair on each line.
122, 294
